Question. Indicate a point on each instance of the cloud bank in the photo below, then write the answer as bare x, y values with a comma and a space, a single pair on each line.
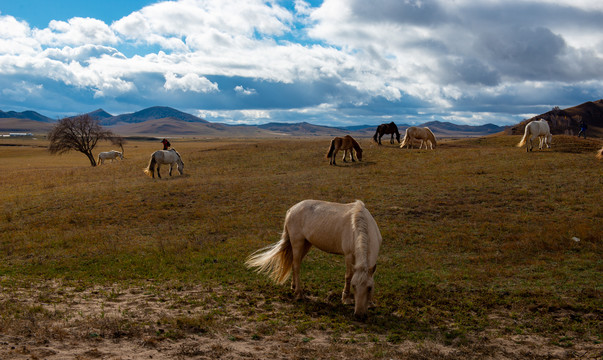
336, 63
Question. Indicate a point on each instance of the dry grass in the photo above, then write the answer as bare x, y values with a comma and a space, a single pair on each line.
478, 258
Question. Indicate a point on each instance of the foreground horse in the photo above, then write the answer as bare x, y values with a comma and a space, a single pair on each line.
160, 157
344, 143
344, 229
536, 129
109, 155
422, 134
382, 129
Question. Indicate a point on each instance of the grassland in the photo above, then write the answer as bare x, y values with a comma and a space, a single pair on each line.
488, 252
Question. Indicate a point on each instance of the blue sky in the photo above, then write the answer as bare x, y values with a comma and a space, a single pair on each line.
331, 62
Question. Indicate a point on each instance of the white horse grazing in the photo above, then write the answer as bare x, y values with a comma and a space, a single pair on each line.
109, 155
160, 157
418, 133
538, 128
344, 229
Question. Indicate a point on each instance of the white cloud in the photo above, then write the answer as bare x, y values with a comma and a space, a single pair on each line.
189, 82
76, 31
383, 58
243, 91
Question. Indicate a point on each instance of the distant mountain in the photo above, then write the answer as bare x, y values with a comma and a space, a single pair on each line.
100, 114
301, 129
166, 121
448, 128
566, 121
29, 115
176, 127
152, 113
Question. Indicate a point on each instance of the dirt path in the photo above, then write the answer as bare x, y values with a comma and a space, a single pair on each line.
52, 321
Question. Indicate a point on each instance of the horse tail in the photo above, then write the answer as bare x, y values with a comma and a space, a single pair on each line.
406, 139
275, 260
99, 160
150, 170
361, 240
432, 137
525, 136
376, 133
331, 149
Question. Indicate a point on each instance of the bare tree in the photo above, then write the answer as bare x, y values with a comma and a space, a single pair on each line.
80, 133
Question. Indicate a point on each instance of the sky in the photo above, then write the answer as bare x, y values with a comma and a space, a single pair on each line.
331, 62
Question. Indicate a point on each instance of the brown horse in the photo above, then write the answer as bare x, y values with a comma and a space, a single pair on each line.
390, 128
344, 143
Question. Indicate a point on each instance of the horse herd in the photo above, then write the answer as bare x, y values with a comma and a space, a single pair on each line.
344, 229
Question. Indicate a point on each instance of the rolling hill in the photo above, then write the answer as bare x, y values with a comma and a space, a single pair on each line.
152, 113
163, 121
566, 121
26, 115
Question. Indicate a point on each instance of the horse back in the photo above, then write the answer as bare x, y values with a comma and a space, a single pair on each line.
324, 224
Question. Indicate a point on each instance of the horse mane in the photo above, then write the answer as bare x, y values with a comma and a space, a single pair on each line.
432, 137
361, 240
356, 145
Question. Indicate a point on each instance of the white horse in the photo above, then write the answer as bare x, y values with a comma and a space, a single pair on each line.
109, 155
344, 229
160, 157
417, 133
537, 128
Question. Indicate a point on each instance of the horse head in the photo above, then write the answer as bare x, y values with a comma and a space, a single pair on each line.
362, 285
180, 166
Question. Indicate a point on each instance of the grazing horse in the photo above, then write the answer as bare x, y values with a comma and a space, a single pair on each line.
344, 143
343, 229
160, 157
109, 155
537, 128
382, 129
417, 133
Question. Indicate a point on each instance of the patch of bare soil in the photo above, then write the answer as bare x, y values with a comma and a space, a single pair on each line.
53, 321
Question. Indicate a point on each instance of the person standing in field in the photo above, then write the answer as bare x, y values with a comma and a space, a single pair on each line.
583, 128
166, 144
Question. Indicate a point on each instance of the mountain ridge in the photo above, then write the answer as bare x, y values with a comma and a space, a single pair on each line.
167, 121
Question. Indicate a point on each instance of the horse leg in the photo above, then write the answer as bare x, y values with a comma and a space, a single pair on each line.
347, 297
170, 172
299, 249
345, 154
391, 141
158, 173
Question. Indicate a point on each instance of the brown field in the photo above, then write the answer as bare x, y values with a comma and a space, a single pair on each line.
488, 252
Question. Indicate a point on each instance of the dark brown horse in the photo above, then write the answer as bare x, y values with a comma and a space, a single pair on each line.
390, 128
344, 143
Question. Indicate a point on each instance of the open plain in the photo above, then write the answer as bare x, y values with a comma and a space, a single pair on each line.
488, 252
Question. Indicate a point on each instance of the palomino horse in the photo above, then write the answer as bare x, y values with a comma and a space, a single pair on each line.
109, 155
382, 129
160, 157
343, 229
344, 143
417, 133
537, 128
